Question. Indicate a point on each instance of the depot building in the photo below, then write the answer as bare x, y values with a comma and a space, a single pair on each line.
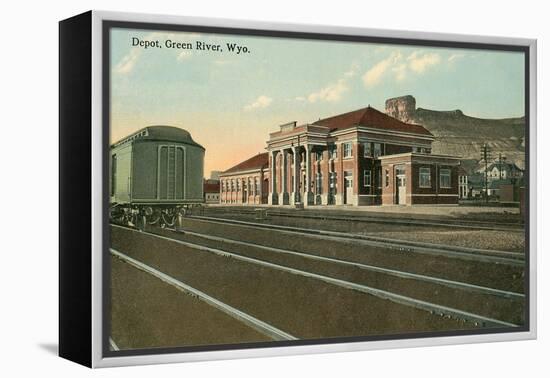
363, 157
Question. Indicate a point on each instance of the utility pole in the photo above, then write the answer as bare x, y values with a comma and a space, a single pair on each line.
500, 159
486, 156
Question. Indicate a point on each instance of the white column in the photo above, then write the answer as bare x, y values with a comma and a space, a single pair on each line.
340, 182
296, 191
308, 194
273, 197
283, 196
247, 193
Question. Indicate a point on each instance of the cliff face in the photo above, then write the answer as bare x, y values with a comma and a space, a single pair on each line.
461, 135
402, 108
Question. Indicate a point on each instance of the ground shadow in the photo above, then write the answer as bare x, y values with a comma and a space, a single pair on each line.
51, 348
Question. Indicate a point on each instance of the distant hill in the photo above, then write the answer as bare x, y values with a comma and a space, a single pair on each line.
461, 135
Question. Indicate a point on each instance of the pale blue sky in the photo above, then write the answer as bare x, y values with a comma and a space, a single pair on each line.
231, 102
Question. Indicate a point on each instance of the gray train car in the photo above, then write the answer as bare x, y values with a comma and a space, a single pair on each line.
155, 173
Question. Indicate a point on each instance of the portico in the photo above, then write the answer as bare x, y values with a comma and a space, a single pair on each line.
291, 151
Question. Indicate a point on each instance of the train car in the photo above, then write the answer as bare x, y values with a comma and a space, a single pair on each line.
156, 174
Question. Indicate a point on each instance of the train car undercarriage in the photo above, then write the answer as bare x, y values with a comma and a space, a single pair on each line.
143, 215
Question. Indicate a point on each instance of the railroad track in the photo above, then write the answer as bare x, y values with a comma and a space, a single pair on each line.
247, 319
485, 255
432, 308
112, 345
366, 267
438, 222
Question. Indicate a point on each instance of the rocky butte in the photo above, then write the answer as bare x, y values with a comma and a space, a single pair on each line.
461, 135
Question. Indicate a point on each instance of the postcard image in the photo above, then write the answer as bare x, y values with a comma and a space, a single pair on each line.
275, 189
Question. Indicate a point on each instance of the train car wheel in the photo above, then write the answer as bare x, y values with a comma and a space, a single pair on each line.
153, 216
116, 215
168, 219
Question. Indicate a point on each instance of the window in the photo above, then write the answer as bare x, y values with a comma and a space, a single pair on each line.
367, 179
444, 178
318, 155
256, 186
425, 179
347, 150
387, 178
367, 150
377, 149
332, 152
379, 177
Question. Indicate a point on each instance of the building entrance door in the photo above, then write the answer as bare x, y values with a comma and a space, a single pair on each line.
401, 190
348, 184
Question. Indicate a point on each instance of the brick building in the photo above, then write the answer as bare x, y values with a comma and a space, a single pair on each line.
419, 179
211, 190
246, 182
363, 157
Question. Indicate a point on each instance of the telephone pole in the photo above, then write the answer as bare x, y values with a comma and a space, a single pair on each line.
486, 156
500, 160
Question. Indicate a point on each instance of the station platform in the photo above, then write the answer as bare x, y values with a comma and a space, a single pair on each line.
427, 210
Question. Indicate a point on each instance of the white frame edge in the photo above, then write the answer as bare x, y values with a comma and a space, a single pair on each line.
97, 187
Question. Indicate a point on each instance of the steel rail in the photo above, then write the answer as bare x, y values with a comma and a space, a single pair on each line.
258, 325
372, 268
503, 257
383, 294
477, 225
113, 345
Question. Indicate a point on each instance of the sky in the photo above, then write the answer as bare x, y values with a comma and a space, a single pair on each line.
231, 101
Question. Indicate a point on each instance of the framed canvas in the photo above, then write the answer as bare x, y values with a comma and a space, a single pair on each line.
235, 189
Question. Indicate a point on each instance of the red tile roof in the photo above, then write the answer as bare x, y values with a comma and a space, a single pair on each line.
255, 162
209, 187
370, 117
